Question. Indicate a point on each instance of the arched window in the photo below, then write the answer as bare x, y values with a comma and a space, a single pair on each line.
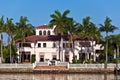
40, 32
44, 32
48, 32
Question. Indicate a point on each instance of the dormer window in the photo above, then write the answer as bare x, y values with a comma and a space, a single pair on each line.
48, 32
44, 32
40, 32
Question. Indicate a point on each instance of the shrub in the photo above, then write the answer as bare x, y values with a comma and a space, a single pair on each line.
33, 58
74, 61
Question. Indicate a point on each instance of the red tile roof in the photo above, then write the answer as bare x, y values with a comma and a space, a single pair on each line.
36, 38
43, 27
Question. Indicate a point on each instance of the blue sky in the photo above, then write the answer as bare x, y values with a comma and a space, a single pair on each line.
38, 11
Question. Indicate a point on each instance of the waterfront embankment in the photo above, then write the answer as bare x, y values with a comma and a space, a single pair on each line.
71, 68
81, 70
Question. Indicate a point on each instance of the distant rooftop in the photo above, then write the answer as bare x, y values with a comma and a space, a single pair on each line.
43, 27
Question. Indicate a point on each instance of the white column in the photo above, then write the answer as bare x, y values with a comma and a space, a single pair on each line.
63, 56
94, 56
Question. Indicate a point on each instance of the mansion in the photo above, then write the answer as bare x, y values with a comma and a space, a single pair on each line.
46, 46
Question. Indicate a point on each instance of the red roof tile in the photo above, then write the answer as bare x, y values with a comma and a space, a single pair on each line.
43, 27
36, 38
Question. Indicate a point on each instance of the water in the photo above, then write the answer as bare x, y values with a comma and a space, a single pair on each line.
58, 77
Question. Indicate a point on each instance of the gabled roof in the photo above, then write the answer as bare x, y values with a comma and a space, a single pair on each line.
43, 27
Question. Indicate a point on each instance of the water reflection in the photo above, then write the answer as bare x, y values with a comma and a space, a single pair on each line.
58, 77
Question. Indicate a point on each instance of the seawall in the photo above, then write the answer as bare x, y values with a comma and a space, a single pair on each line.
16, 70
80, 70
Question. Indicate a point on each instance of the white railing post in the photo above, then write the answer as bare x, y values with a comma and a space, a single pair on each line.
68, 65
33, 65
85, 65
16, 65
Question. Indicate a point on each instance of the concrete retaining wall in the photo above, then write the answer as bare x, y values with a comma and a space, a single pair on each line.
30, 70
16, 70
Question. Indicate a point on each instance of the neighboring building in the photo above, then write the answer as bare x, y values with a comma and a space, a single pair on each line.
45, 45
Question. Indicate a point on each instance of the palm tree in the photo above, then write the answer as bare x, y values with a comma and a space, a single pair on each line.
59, 20
84, 31
22, 25
94, 35
1, 30
107, 27
79, 32
25, 29
115, 41
71, 29
9, 28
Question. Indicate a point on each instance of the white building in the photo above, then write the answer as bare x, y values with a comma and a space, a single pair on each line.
45, 45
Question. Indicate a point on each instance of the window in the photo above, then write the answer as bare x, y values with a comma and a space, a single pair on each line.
40, 32
48, 32
44, 32
54, 45
44, 44
39, 44
84, 44
41, 58
67, 58
54, 57
24, 44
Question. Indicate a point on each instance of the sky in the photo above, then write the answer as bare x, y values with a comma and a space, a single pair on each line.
39, 11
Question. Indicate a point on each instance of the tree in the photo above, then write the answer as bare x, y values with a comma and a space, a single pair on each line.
9, 28
6, 51
25, 29
88, 32
83, 31
1, 30
114, 40
107, 27
94, 35
71, 32
59, 20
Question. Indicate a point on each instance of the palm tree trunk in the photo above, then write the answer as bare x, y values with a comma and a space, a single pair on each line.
94, 57
86, 51
106, 50
9, 43
117, 55
117, 50
1, 49
62, 55
59, 49
73, 50
22, 42
72, 47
